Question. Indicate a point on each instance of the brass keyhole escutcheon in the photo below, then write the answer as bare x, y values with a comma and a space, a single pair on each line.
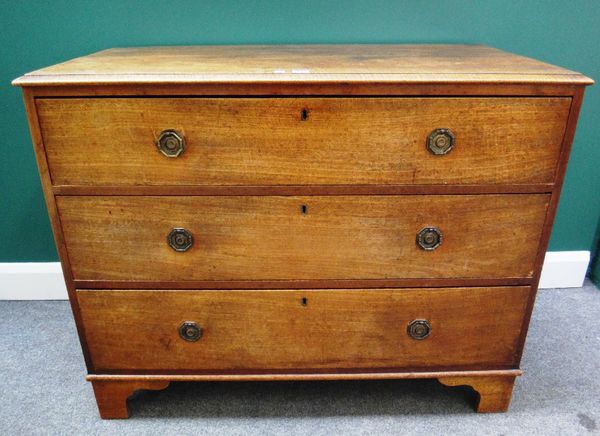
440, 141
419, 329
180, 239
171, 143
190, 331
429, 238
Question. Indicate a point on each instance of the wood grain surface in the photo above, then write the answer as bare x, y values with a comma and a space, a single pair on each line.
111, 396
288, 190
373, 374
42, 164
265, 141
304, 64
269, 330
339, 237
495, 392
288, 89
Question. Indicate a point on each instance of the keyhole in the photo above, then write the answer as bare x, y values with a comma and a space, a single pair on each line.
304, 115
304, 209
304, 301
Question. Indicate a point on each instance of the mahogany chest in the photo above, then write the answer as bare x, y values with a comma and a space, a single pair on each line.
302, 212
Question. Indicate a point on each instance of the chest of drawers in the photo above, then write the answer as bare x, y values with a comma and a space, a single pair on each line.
302, 212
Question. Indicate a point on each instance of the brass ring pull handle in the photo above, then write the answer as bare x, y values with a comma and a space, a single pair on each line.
429, 238
180, 239
440, 141
419, 329
171, 143
190, 331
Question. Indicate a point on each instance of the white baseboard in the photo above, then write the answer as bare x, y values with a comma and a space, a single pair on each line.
44, 281
32, 281
564, 269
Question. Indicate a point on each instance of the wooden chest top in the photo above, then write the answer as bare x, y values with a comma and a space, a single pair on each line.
303, 64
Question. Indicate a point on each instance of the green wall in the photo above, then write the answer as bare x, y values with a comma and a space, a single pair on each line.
36, 34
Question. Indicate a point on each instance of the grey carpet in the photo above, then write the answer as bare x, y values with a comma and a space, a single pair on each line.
42, 387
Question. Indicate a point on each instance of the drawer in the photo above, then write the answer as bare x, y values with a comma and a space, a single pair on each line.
268, 141
309, 329
313, 237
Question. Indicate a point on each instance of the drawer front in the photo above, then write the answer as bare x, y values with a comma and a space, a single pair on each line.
309, 329
271, 141
318, 237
